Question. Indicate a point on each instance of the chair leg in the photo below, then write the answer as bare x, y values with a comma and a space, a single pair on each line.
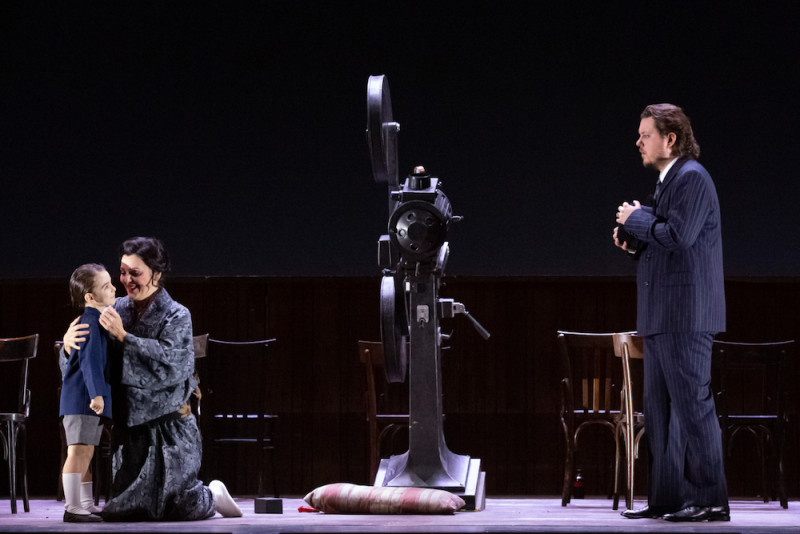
109, 475
216, 461
384, 442
611, 483
24, 459
569, 457
395, 429
60, 490
631, 465
101, 466
615, 506
629, 442
782, 485
779, 446
628, 438
260, 468
12, 466
771, 467
96, 470
373, 454
761, 449
275, 492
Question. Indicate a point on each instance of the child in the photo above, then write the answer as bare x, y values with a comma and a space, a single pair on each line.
85, 393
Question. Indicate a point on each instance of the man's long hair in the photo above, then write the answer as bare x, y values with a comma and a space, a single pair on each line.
670, 118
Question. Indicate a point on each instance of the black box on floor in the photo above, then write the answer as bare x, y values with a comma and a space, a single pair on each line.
269, 506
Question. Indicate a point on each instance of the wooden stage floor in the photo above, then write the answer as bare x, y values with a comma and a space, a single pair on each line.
500, 515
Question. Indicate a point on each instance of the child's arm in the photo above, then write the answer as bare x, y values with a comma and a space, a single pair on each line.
97, 405
91, 361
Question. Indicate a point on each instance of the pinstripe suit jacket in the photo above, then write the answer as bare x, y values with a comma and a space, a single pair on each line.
680, 283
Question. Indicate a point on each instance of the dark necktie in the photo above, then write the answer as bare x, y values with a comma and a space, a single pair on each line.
659, 183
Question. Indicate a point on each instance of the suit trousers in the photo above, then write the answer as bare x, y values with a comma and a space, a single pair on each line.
683, 432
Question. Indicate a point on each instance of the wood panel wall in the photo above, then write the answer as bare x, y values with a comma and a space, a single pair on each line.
500, 396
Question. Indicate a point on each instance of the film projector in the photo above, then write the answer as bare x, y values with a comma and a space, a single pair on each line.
413, 255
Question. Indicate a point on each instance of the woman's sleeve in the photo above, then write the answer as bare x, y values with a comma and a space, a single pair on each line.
162, 361
63, 362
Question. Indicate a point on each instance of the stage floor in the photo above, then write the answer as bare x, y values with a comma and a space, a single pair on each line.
500, 515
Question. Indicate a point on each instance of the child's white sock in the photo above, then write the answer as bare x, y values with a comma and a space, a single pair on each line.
87, 498
72, 493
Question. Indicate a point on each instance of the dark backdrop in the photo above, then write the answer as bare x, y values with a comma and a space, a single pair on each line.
235, 130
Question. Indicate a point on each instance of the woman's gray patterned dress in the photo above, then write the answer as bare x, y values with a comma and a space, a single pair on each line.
158, 452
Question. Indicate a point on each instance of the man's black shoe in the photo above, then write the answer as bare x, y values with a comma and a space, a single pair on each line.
701, 513
69, 517
647, 512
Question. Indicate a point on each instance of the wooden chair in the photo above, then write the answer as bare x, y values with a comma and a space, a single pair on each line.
751, 397
200, 352
630, 348
200, 343
15, 406
382, 427
589, 394
237, 402
102, 472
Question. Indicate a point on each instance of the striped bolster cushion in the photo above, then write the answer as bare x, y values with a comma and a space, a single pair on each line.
344, 498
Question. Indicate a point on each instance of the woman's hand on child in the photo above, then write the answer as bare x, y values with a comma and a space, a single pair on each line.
111, 321
76, 333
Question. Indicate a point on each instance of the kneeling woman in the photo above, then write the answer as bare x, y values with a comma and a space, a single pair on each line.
158, 445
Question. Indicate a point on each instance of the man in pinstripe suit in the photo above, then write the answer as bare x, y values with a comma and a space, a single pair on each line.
680, 306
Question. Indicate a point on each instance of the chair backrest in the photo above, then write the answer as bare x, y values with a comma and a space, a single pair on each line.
15, 353
370, 353
200, 346
591, 375
237, 377
57, 353
631, 342
630, 349
750, 378
380, 397
200, 350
